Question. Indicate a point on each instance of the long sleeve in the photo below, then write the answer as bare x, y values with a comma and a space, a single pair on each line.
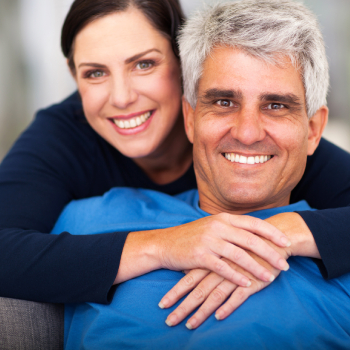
326, 184
45, 169
57, 159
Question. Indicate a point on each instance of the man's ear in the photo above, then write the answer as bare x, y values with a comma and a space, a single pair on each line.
317, 123
188, 114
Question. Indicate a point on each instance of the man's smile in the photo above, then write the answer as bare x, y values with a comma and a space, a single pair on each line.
238, 158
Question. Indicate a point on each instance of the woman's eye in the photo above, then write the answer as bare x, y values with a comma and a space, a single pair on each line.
144, 65
95, 74
224, 103
276, 106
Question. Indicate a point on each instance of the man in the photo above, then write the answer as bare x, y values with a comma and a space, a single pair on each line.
254, 108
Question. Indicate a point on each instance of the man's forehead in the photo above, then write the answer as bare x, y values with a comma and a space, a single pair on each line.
232, 73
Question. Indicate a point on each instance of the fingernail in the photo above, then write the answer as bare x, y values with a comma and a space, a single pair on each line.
163, 303
268, 277
286, 242
283, 265
218, 315
189, 326
246, 282
170, 321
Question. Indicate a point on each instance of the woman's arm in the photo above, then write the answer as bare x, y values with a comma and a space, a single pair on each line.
40, 175
60, 158
201, 244
326, 184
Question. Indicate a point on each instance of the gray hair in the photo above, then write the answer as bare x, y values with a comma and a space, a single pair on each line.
265, 29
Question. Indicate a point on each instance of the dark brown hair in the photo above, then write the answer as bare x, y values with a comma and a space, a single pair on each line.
165, 15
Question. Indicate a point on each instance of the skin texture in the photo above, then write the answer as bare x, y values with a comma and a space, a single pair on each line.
244, 107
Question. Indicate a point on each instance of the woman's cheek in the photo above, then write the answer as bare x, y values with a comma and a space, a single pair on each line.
93, 99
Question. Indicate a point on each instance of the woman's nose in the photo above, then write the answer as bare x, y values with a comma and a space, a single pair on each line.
248, 127
122, 93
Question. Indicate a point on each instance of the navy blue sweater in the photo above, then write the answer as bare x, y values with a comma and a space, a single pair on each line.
60, 158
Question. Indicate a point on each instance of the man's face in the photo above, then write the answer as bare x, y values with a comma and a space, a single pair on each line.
252, 113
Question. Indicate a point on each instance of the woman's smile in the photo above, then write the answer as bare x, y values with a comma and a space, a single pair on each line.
132, 124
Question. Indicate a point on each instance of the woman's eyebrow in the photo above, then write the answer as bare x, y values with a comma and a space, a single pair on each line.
91, 64
127, 61
139, 55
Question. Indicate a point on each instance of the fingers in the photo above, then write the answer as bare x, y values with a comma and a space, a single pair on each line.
185, 285
261, 228
244, 260
194, 299
255, 244
238, 297
214, 300
222, 268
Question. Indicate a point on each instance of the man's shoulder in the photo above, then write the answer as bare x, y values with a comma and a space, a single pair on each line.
120, 208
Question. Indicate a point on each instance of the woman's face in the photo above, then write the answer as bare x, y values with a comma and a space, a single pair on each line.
129, 80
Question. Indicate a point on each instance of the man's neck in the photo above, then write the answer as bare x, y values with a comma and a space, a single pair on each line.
213, 205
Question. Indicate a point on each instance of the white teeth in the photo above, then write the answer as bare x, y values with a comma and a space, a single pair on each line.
246, 160
133, 122
251, 160
243, 159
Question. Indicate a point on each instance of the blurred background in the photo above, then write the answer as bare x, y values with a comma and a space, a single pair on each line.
34, 74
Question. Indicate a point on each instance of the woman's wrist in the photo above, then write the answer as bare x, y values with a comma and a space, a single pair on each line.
141, 254
293, 225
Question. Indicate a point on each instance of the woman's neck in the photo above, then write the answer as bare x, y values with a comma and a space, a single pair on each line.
171, 160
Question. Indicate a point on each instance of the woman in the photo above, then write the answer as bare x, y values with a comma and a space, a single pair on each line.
132, 135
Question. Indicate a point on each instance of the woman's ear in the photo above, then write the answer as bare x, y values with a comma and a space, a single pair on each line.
188, 114
317, 123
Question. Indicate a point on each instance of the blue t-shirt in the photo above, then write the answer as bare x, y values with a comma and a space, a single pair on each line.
298, 310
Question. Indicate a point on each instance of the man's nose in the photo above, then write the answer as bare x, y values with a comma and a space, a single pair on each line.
248, 127
122, 92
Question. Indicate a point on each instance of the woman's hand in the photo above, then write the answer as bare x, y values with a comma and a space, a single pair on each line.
202, 244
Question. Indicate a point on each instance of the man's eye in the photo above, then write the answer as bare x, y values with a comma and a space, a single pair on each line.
224, 103
144, 65
276, 106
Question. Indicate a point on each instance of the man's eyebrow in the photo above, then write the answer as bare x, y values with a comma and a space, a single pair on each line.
285, 98
217, 94
139, 55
